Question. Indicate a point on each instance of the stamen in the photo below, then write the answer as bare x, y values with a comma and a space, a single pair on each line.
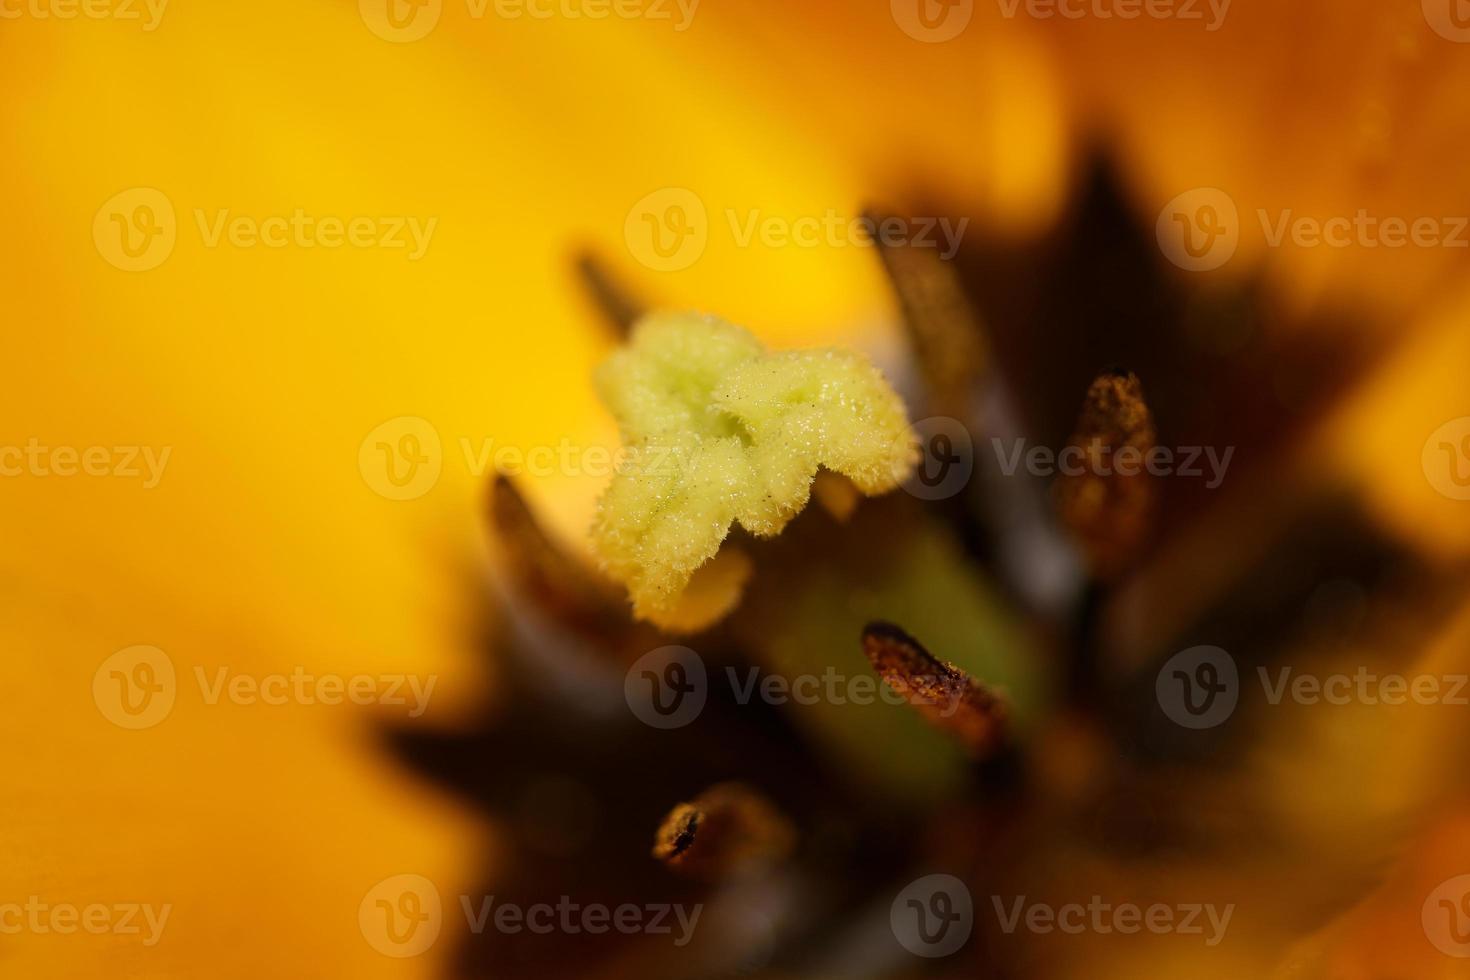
946, 695
614, 300
565, 588
1108, 512
943, 332
728, 829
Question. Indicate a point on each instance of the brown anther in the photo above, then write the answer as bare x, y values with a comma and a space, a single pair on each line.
727, 830
613, 299
559, 583
676, 835
941, 324
1110, 513
944, 694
